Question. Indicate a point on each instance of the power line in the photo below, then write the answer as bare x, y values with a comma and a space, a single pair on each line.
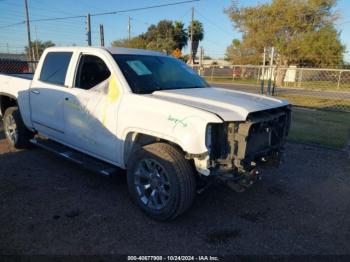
214, 24
19, 23
49, 9
58, 18
144, 8
106, 13
186, 13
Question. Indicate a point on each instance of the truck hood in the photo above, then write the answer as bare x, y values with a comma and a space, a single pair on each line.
228, 104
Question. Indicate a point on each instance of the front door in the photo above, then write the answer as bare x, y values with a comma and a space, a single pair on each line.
47, 95
90, 113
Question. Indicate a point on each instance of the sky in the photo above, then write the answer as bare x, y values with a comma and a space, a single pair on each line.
218, 28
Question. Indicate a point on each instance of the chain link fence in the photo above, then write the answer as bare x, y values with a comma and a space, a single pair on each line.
327, 89
320, 88
8, 66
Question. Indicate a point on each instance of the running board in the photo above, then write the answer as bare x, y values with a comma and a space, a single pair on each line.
77, 157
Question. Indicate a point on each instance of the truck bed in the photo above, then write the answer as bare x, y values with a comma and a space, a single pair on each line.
13, 83
28, 76
16, 86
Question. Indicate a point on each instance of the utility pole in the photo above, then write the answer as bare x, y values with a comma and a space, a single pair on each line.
129, 28
36, 45
88, 29
33, 53
102, 36
201, 54
28, 31
191, 53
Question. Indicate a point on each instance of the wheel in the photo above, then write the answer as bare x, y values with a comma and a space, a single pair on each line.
161, 181
15, 130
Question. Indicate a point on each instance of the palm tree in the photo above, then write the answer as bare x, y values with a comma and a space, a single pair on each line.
180, 35
198, 35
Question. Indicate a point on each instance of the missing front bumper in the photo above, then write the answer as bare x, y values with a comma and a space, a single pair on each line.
243, 146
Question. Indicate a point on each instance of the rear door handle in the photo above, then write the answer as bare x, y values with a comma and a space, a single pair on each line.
36, 92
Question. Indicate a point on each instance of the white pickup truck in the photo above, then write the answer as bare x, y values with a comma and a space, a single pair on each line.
145, 112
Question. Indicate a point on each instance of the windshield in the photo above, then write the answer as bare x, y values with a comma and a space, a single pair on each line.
146, 74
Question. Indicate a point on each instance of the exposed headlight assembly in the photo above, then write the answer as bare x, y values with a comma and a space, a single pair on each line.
208, 137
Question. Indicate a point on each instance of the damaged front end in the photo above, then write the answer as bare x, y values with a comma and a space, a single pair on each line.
238, 149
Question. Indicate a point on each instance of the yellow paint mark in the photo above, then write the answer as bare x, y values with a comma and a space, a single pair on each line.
112, 96
104, 116
73, 105
113, 90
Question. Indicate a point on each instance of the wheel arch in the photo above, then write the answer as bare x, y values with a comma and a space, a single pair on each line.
135, 140
6, 101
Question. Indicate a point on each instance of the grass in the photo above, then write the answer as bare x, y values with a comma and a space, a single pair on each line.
312, 126
331, 129
230, 80
317, 102
312, 85
300, 100
325, 85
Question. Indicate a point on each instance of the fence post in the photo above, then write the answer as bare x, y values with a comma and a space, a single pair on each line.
258, 77
212, 73
233, 73
300, 77
269, 81
339, 78
262, 82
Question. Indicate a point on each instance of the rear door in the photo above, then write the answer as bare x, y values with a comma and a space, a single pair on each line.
48, 93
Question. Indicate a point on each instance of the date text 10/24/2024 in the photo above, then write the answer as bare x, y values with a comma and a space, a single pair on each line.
173, 258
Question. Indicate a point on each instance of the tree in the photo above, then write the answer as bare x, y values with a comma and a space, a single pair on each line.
161, 36
300, 30
180, 35
239, 54
38, 48
198, 35
135, 42
166, 36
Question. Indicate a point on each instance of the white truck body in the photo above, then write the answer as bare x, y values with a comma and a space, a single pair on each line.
61, 112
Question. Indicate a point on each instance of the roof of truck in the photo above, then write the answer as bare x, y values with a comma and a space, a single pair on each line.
122, 50
112, 50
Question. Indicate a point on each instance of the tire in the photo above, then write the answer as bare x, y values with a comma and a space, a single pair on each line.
173, 181
16, 132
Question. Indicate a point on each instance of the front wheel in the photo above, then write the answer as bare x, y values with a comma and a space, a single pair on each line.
15, 130
161, 181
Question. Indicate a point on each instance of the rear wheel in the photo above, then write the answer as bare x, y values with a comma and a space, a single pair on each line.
15, 130
161, 181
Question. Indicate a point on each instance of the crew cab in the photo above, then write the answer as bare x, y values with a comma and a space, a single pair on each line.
148, 113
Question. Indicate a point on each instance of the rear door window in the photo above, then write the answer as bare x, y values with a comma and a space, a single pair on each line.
54, 69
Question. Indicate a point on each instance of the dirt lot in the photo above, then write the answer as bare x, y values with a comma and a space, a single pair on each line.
50, 206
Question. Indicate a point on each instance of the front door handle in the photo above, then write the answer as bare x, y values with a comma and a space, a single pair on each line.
36, 92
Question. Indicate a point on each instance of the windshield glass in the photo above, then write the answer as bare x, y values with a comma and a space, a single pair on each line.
146, 74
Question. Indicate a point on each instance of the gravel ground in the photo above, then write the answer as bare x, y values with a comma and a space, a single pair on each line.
50, 206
